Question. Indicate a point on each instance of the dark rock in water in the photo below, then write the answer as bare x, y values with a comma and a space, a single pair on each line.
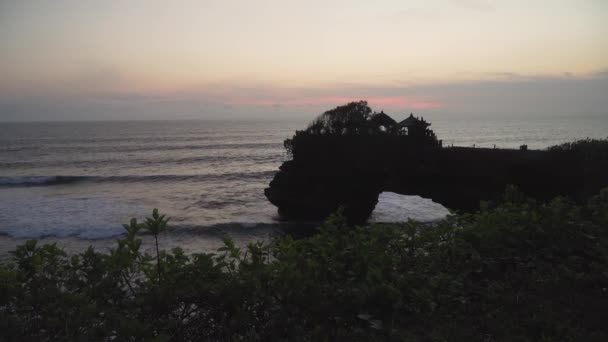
332, 171
351, 169
313, 191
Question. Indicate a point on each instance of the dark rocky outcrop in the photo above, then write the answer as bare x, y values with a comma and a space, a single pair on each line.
350, 170
309, 191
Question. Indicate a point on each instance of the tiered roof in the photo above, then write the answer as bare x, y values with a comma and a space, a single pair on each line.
383, 119
413, 121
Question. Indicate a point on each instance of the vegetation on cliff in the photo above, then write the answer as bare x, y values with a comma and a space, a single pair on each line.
352, 118
520, 270
356, 120
590, 149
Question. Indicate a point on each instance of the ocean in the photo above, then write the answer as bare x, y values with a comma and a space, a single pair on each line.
76, 183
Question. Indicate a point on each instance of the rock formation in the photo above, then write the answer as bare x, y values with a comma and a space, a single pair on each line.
351, 169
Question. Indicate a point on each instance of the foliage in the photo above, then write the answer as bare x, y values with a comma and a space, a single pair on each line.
347, 119
591, 149
352, 125
288, 145
516, 271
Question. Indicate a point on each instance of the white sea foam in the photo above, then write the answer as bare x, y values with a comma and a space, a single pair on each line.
86, 218
394, 207
28, 217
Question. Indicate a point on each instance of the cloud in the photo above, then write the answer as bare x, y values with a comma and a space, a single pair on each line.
389, 102
408, 15
502, 94
477, 5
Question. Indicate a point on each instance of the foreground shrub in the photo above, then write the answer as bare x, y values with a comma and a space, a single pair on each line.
516, 271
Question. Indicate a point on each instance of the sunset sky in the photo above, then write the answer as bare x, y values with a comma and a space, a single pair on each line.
148, 59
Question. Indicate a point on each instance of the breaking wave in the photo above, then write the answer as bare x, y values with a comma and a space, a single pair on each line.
20, 181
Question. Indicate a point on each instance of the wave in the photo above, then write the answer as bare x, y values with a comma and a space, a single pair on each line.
165, 147
37, 180
147, 160
22, 181
207, 141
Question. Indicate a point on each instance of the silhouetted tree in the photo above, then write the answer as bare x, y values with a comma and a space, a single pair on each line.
351, 118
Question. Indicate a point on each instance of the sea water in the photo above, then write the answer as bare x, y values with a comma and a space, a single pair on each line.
75, 183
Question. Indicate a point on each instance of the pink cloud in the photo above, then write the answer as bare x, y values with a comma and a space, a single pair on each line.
399, 102
383, 102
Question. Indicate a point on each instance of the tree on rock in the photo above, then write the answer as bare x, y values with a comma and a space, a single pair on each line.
351, 118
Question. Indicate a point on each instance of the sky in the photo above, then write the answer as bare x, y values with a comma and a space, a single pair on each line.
197, 59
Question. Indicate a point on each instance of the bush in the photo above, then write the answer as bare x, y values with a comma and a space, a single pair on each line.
516, 271
590, 149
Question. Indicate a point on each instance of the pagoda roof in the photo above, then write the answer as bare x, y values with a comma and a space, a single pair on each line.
382, 119
413, 121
